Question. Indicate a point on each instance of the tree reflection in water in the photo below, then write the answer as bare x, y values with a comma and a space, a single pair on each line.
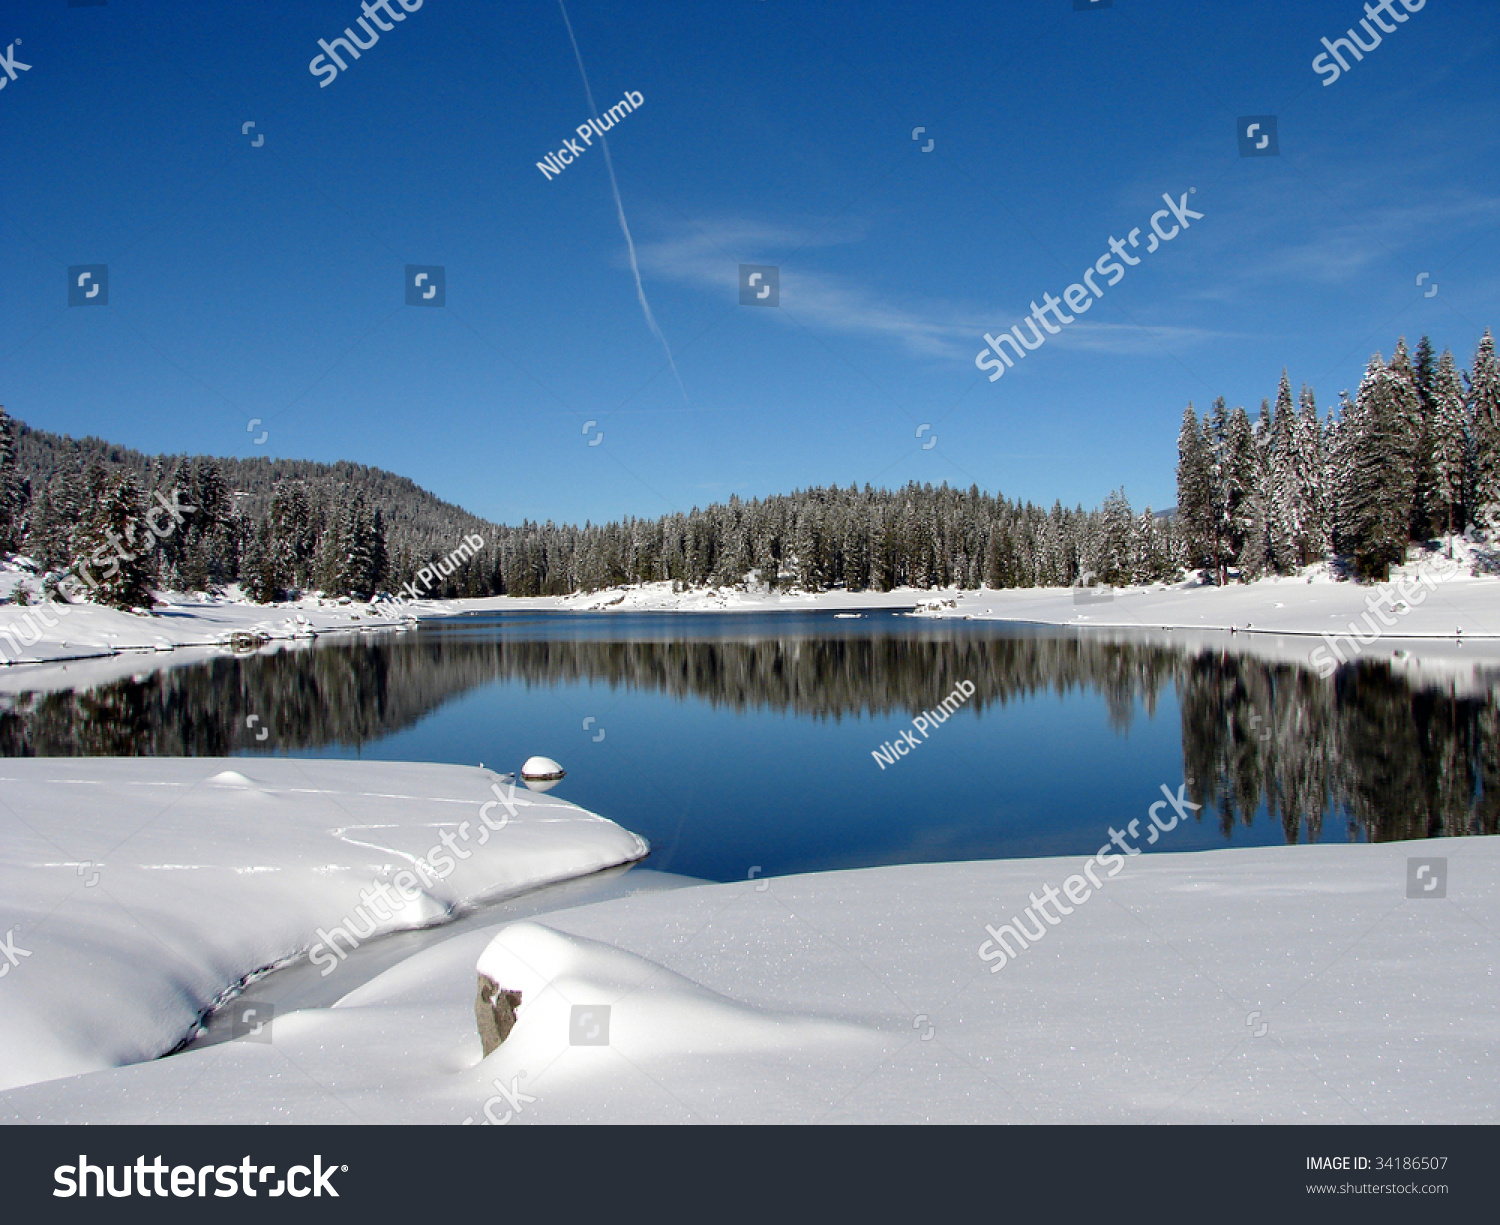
1391, 759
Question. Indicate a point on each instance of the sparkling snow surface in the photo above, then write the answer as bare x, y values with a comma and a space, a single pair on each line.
1289, 984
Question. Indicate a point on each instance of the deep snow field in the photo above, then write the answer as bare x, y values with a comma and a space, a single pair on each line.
1293, 984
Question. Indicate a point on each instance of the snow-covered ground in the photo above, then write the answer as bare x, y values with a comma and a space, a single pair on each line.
52, 631
135, 891
1290, 984
1466, 605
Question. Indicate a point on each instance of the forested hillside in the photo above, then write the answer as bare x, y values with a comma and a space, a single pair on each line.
1415, 455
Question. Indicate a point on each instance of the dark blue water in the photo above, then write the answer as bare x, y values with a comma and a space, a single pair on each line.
734, 774
719, 791
742, 743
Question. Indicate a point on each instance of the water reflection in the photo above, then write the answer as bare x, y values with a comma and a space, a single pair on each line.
1393, 759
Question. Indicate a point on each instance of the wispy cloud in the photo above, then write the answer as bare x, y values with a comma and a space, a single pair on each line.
1346, 244
708, 257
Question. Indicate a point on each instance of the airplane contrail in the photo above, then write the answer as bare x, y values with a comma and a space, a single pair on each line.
640, 289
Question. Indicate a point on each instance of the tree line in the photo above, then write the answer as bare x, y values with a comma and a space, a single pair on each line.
1414, 455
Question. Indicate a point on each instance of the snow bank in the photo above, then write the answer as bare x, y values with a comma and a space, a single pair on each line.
1310, 604
1288, 984
1460, 607
135, 891
48, 631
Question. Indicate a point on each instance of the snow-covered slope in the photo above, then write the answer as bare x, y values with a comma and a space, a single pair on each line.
133, 891
1289, 984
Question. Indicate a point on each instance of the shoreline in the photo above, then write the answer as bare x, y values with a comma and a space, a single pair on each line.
1462, 610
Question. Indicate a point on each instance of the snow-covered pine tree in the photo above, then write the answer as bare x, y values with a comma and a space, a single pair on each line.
111, 547
13, 494
1449, 449
1107, 550
1425, 522
1195, 491
805, 552
1316, 539
1410, 444
258, 565
1484, 426
1244, 507
1216, 433
380, 557
1338, 465
1283, 485
1150, 549
1375, 514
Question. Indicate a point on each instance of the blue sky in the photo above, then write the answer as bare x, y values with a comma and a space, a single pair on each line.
268, 282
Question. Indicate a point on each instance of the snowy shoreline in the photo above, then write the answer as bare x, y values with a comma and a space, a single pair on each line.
49, 632
1311, 605
161, 884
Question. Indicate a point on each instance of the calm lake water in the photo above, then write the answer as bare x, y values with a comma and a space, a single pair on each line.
743, 743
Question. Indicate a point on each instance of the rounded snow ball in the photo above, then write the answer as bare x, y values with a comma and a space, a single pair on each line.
541, 773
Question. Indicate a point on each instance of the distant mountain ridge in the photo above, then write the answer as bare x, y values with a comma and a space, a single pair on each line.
40, 454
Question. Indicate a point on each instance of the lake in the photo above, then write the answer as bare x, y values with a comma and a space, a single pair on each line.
743, 744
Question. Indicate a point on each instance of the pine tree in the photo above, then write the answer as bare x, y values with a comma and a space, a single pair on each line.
1484, 427
296, 537
1244, 506
112, 546
1287, 513
1312, 491
1449, 449
380, 560
1195, 492
258, 566
13, 495
1107, 553
1425, 520
1374, 437
1409, 460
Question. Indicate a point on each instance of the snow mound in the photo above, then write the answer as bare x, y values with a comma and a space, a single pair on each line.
138, 891
579, 992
